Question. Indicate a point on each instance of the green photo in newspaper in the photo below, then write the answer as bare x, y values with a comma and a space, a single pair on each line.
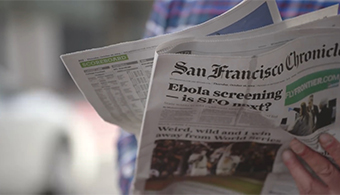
310, 102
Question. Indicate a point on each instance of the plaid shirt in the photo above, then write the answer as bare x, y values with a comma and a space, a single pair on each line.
173, 15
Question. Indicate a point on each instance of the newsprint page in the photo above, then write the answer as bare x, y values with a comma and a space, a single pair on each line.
214, 105
220, 111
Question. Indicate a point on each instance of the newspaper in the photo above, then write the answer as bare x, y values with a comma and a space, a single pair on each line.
115, 79
223, 103
220, 111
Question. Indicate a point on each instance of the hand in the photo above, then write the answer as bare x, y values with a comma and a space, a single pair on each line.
306, 183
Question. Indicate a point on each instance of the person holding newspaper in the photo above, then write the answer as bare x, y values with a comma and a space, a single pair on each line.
329, 175
170, 16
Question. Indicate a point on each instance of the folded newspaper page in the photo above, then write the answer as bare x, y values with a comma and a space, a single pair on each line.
115, 79
220, 111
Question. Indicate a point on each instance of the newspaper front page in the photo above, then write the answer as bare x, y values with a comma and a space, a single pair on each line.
220, 112
115, 79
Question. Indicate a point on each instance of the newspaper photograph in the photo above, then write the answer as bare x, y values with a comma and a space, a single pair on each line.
213, 163
218, 115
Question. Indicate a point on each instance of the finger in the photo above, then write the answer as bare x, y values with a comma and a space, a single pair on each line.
331, 145
304, 181
321, 166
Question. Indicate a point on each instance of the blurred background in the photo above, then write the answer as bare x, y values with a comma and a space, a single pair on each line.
51, 139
